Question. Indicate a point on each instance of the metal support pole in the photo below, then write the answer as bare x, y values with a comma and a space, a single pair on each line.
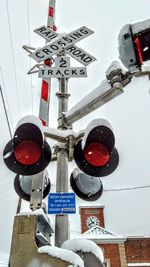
61, 222
63, 102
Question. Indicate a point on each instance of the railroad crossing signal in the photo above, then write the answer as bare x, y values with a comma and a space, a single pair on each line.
134, 44
96, 154
27, 153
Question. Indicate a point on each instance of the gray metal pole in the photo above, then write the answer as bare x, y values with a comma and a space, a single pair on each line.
61, 221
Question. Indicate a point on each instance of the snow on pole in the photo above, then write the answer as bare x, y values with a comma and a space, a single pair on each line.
46, 86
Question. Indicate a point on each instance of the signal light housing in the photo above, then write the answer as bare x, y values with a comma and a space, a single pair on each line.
27, 153
87, 187
96, 154
134, 44
23, 186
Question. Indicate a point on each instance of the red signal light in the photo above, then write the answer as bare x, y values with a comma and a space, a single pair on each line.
139, 49
96, 154
31, 153
27, 152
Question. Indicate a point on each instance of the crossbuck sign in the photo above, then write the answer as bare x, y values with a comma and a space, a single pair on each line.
62, 69
65, 42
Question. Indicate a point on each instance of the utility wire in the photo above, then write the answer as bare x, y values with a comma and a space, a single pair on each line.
9, 128
5, 109
128, 188
13, 58
8, 123
121, 189
1, 92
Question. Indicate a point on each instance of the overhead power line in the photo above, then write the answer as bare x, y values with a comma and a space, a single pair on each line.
5, 109
121, 189
9, 128
128, 188
13, 57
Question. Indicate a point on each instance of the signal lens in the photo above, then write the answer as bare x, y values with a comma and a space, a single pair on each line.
139, 49
27, 152
96, 154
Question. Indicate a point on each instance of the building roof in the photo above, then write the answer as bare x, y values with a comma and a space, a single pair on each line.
101, 235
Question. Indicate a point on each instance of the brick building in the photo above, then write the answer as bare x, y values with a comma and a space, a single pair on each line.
119, 251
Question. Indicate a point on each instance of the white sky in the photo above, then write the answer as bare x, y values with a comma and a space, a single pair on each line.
126, 212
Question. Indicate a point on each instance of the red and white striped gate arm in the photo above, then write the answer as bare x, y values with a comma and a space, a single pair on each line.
51, 14
46, 86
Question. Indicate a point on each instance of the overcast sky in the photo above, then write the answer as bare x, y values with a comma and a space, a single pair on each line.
126, 211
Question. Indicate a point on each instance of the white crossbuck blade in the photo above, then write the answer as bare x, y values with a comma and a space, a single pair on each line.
65, 42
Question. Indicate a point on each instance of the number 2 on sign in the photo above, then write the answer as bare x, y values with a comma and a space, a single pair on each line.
63, 62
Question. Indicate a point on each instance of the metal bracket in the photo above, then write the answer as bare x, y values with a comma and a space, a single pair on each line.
116, 75
28, 49
67, 126
43, 231
66, 140
37, 191
33, 69
39, 66
71, 142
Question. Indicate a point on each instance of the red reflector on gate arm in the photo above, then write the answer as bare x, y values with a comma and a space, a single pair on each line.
48, 62
44, 94
43, 122
27, 152
96, 154
54, 28
51, 12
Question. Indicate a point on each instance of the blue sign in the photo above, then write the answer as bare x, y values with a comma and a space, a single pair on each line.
61, 203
